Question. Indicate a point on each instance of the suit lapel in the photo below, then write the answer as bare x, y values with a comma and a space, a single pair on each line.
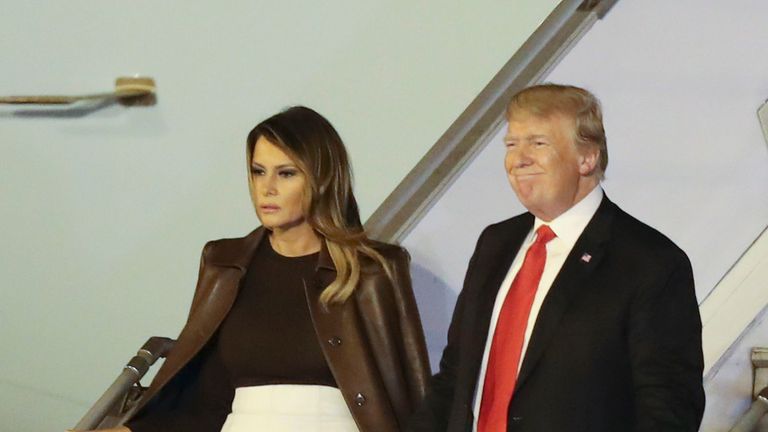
573, 276
490, 277
491, 267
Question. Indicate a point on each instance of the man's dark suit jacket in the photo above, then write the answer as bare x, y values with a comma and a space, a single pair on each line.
616, 346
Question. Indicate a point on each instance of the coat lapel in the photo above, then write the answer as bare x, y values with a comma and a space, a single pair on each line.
573, 276
223, 268
237, 253
345, 343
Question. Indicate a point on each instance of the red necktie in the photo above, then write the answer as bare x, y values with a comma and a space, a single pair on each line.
507, 345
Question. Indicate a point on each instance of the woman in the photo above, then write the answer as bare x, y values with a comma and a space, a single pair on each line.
305, 322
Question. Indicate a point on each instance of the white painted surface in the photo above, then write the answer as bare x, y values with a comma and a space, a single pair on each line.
680, 84
729, 388
734, 303
735, 311
104, 213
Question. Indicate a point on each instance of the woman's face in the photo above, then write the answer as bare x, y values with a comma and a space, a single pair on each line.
278, 188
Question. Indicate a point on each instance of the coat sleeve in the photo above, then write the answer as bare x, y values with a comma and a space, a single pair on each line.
664, 339
413, 345
435, 411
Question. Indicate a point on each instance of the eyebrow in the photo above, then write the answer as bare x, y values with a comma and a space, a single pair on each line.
258, 165
527, 137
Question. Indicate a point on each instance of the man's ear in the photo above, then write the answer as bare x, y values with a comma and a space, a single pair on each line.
588, 161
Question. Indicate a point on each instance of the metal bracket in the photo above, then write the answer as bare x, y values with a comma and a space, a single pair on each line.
759, 370
762, 115
600, 7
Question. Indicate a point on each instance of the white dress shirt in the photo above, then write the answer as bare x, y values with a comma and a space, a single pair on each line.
567, 227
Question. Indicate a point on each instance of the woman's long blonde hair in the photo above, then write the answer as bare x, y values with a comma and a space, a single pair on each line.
329, 203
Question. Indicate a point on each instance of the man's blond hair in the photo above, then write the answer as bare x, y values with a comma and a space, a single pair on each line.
546, 100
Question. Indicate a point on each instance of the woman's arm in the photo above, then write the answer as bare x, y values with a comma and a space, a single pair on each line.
413, 344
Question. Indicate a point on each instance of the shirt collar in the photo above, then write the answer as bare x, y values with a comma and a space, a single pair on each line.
569, 225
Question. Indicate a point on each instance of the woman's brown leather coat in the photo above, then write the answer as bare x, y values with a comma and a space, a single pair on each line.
373, 343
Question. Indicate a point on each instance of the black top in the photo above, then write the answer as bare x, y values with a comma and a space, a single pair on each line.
267, 338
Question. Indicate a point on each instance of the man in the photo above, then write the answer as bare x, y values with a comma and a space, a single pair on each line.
574, 316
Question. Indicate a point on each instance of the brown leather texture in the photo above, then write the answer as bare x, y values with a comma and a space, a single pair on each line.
374, 342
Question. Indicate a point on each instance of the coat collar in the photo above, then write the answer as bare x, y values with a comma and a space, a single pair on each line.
238, 252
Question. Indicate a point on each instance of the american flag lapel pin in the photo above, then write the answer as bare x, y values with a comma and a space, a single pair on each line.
585, 257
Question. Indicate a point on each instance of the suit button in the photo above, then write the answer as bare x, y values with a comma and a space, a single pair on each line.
334, 341
359, 399
516, 419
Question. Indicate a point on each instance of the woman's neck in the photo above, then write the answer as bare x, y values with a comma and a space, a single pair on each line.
296, 241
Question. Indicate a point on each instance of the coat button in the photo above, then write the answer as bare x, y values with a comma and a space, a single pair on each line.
516, 419
359, 399
334, 341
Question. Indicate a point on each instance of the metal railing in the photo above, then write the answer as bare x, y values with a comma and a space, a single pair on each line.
423, 186
128, 91
756, 412
114, 400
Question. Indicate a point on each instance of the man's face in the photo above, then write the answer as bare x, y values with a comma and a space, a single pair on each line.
544, 166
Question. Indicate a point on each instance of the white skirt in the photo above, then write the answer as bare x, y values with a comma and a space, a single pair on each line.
289, 408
